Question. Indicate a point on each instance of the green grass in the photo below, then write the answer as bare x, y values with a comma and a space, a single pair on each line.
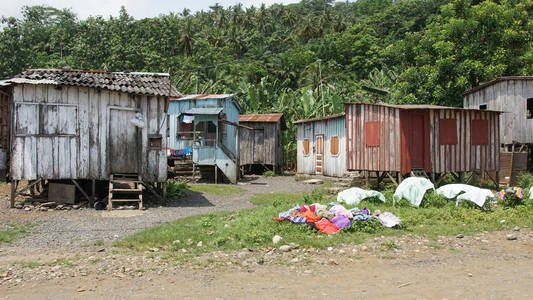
53, 263
14, 232
254, 228
215, 189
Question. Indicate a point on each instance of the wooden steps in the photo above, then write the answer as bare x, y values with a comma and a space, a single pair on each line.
125, 188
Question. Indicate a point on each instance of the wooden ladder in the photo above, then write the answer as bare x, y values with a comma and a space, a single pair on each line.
129, 186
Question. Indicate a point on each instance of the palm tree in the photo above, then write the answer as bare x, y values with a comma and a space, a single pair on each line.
187, 36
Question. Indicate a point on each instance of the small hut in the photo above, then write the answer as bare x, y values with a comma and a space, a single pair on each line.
321, 145
208, 126
261, 144
86, 125
514, 96
423, 140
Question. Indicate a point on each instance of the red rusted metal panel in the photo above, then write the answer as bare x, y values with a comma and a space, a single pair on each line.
372, 134
479, 132
267, 118
447, 131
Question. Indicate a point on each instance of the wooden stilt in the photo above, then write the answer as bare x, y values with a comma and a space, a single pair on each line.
462, 177
216, 174
164, 186
93, 193
13, 192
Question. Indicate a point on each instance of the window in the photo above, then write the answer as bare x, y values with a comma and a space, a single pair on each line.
46, 119
372, 134
306, 147
185, 127
334, 145
479, 132
483, 106
529, 111
155, 141
448, 131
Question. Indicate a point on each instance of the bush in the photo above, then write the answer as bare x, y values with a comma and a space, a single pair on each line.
175, 189
432, 199
370, 226
524, 180
510, 200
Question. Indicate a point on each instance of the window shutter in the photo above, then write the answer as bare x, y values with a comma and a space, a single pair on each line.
334, 145
306, 147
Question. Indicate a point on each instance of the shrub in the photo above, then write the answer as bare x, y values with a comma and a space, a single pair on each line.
524, 180
510, 200
175, 189
370, 226
432, 199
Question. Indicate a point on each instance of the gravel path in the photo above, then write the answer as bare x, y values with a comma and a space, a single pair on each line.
64, 229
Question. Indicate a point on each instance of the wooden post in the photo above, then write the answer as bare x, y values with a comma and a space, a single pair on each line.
164, 186
462, 177
366, 177
216, 174
13, 192
93, 193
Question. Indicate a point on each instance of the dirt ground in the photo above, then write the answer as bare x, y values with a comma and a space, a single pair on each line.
486, 266
43, 266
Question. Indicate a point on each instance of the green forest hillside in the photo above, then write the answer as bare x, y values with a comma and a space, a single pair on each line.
302, 59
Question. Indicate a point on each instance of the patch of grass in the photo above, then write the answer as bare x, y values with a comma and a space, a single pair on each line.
390, 245
95, 260
98, 243
53, 263
28, 264
215, 189
254, 228
14, 232
434, 245
269, 173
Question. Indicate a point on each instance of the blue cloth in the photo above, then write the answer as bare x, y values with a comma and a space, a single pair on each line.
287, 214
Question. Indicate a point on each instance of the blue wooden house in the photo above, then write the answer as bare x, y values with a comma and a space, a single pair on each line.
207, 126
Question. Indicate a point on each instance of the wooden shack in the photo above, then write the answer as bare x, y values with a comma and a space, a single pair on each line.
88, 125
511, 95
423, 140
261, 144
5, 98
209, 125
321, 145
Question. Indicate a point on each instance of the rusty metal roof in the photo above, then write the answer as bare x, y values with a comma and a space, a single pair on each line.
320, 118
266, 118
419, 106
156, 84
495, 80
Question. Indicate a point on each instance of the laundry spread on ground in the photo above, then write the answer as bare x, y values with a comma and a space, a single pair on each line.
333, 217
516, 191
413, 189
465, 192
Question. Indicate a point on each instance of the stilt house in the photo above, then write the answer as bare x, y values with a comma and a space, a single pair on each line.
209, 125
514, 96
86, 125
428, 140
261, 144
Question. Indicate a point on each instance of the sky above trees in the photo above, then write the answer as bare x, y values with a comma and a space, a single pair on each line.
136, 8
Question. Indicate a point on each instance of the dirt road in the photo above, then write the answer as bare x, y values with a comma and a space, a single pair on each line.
486, 266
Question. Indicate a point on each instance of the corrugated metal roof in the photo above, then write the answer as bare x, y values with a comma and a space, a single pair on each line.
203, 96
3, 83
204, 111
320, 118
267, 118
495, 80
418, 106
157, 84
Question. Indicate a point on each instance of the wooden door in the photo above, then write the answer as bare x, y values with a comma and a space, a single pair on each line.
417, 140
259, 149
122, 138
319, 153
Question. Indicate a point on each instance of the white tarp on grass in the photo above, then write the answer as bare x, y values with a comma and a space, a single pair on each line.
355, 195
413, 189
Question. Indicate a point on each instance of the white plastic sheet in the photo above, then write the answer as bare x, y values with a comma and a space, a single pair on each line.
451, 191
413, 189
355, 195
478, 196
138, 120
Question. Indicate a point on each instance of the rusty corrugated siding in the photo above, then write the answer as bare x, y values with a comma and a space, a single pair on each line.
409, 138
268, 118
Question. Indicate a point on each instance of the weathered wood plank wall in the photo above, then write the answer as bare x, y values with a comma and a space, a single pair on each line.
261, 145
510, 97
64, 133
